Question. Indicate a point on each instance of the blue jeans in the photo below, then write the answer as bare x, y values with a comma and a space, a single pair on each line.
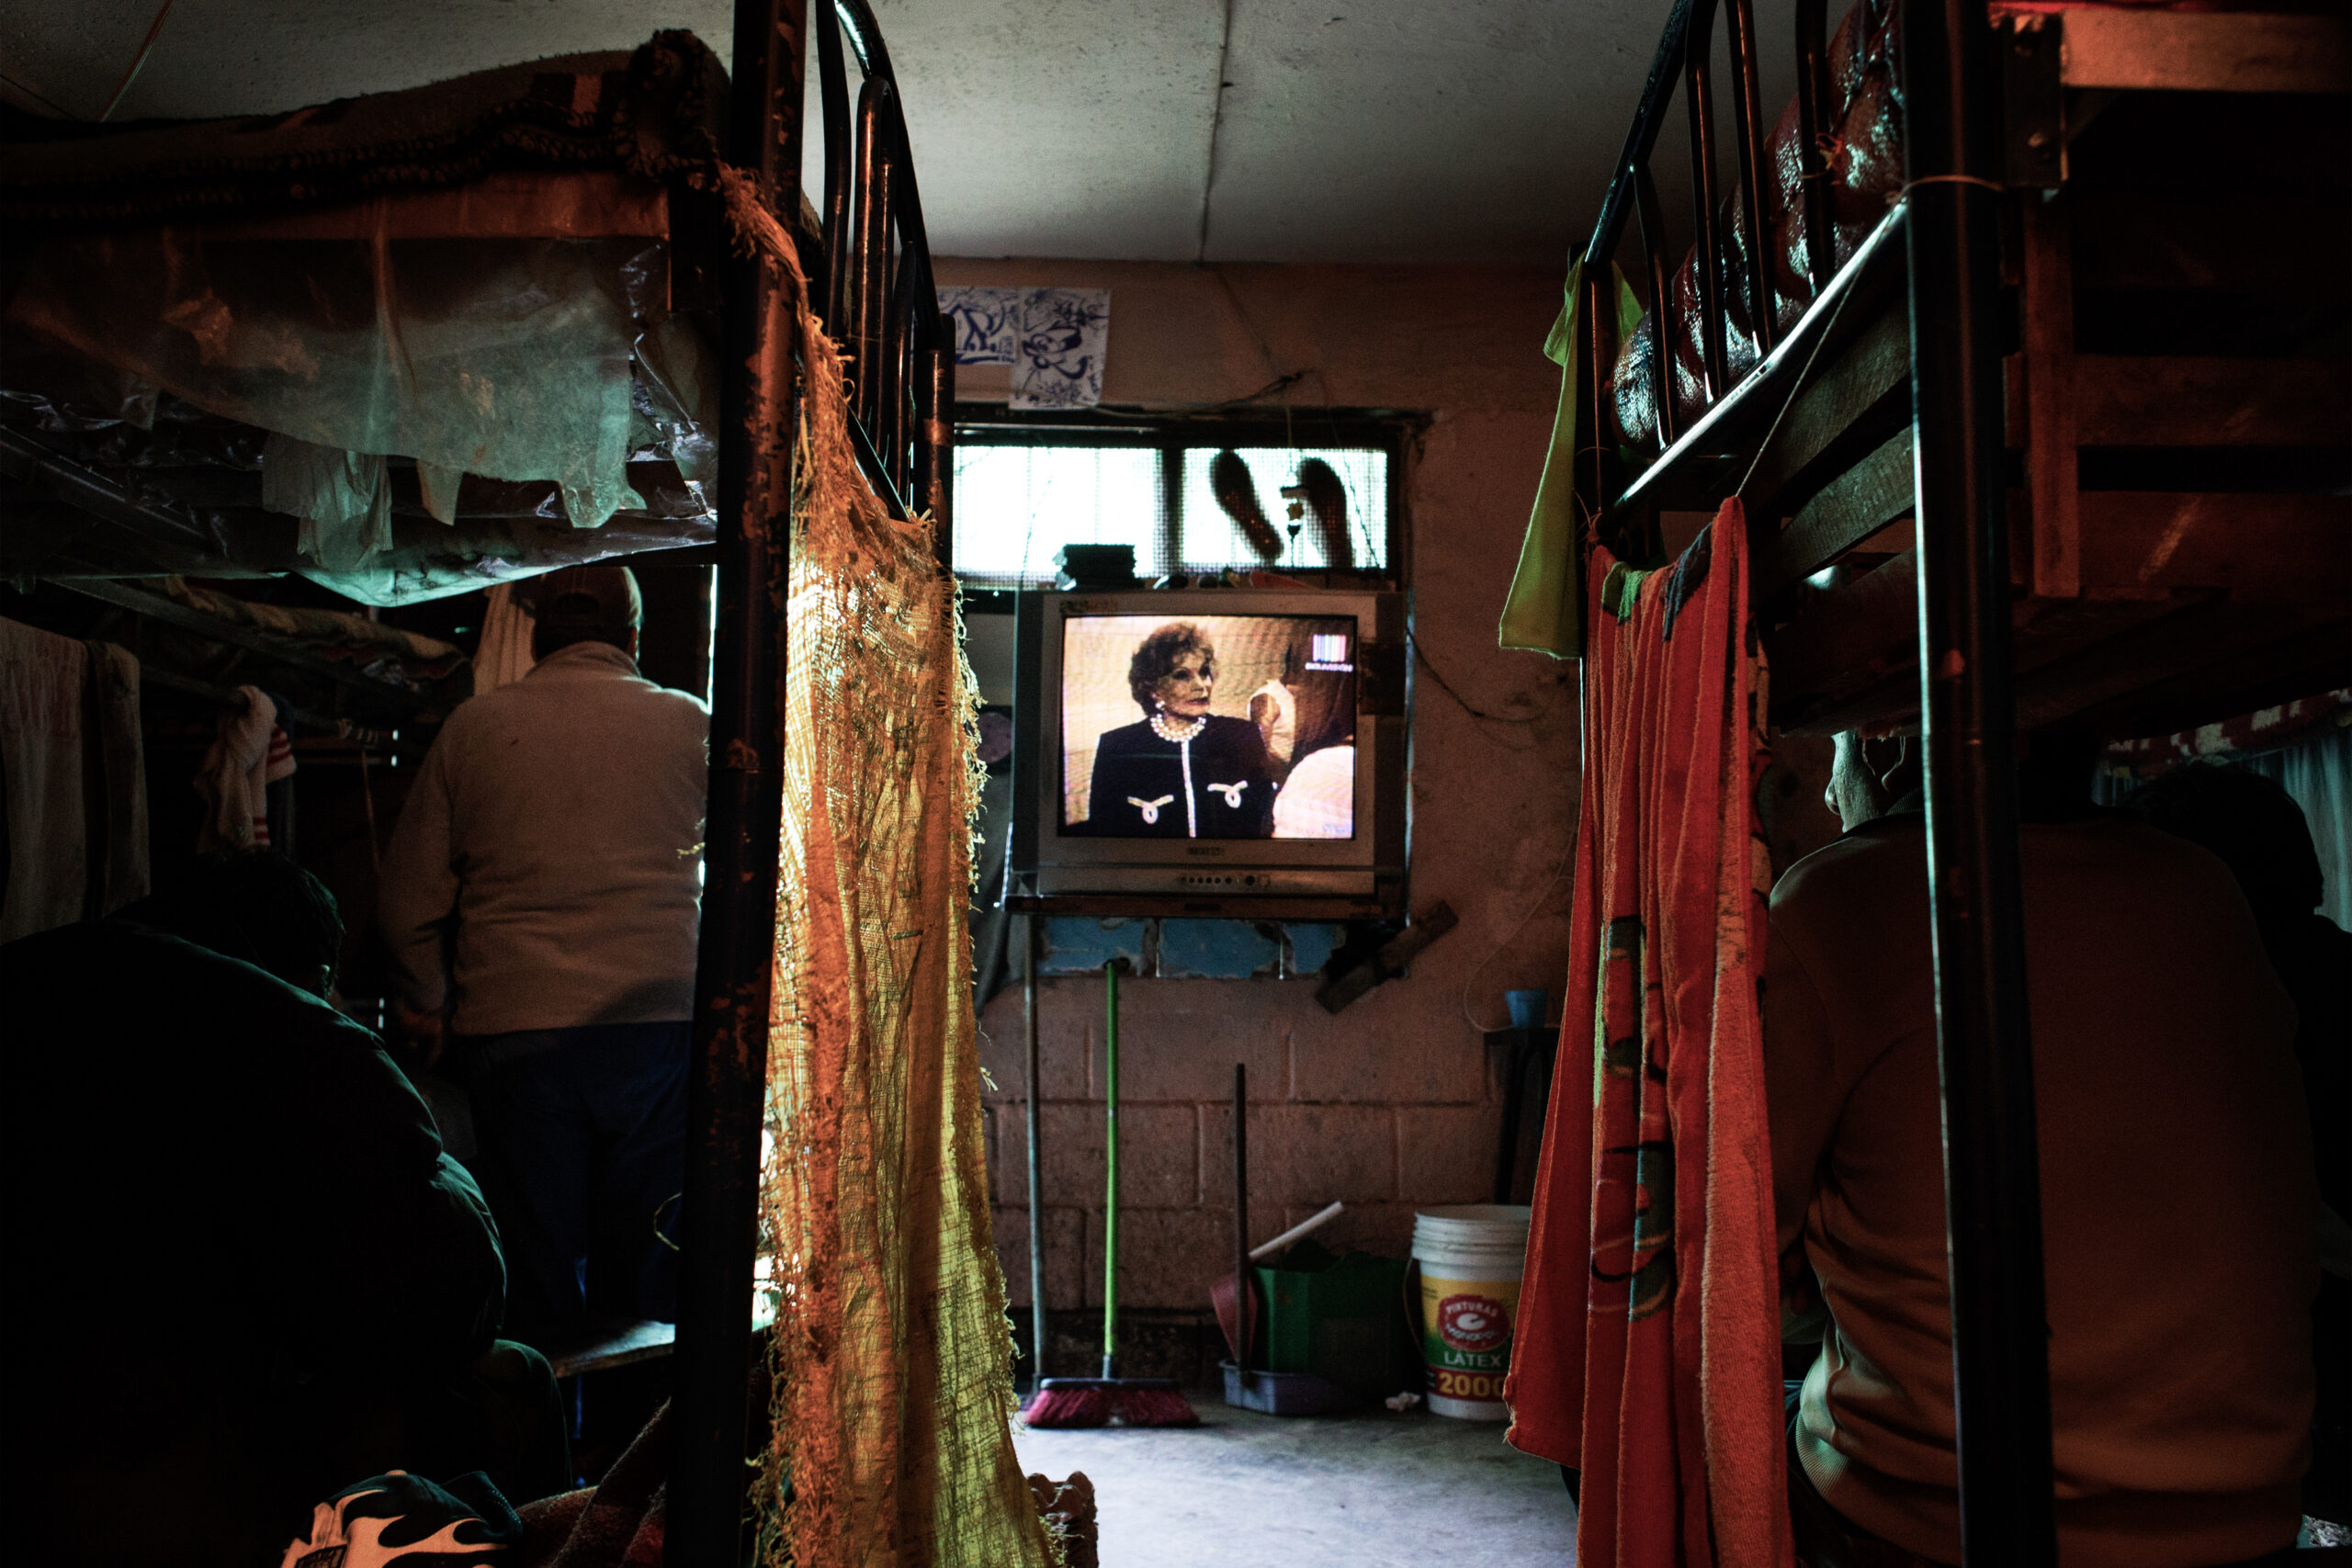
582, 1136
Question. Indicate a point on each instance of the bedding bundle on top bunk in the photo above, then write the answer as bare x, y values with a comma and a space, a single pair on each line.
1861, 146
454, 301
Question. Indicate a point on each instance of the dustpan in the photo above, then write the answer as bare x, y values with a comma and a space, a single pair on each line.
1240, 1313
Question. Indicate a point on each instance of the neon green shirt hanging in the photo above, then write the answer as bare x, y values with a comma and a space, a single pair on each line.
1542, 612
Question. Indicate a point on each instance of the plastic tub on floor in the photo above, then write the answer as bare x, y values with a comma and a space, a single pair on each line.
1284, 1394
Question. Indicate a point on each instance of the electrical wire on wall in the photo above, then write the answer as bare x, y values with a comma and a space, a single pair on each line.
1523, 721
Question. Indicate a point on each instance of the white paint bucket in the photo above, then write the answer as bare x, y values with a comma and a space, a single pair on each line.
1470, 1257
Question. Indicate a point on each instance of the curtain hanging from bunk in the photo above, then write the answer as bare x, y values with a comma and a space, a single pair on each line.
891, 1355
1648, 1348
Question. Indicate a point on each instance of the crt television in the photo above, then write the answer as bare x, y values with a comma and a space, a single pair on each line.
1212, 747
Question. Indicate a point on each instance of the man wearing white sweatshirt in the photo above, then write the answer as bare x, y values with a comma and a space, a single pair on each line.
540, 902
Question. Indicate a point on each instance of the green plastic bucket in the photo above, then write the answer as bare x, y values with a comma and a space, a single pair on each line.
1340, 1318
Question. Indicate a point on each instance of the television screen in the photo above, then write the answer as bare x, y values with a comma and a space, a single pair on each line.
1179, 726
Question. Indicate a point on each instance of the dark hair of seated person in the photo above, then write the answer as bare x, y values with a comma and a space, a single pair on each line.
254, 905
2250, 823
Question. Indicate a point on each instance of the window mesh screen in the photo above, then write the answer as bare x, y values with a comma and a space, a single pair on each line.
1213, 539
1016, 505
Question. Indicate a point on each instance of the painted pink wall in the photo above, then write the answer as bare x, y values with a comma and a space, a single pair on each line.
1392, 1103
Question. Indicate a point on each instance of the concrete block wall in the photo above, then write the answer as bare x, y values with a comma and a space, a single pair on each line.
1336, 1113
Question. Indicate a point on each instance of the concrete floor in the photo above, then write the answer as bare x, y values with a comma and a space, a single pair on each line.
1248, 1491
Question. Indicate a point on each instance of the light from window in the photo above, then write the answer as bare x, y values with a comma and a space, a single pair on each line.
1015, 506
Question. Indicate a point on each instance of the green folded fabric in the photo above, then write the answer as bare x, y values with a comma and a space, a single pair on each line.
1542, 614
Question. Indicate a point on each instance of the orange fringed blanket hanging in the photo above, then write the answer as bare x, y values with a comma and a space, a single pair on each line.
1647, 1353
892, 1356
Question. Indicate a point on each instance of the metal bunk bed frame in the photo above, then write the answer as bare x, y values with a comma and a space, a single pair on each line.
1977, 124
2001, 1382
878, 300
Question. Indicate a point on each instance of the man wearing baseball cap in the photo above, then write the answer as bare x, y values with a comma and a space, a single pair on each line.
541, 900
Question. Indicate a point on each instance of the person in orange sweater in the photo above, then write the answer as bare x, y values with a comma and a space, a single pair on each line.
2177, 1184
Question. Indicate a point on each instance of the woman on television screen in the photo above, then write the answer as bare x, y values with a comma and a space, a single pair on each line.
1183, 773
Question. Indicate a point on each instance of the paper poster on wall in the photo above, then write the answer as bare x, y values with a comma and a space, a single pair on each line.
1053, 338
986, 323
1063, 335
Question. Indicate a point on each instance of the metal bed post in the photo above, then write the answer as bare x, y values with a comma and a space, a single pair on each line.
1813, 112
1699, 97
1992, 1181
869, 272
1595, 471
708, 1485
1747, 112
933, 486
834, 100
1033, 1119
1651, 218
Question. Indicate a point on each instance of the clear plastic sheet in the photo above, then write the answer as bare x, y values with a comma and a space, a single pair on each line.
482, 553
509, 358
343, 497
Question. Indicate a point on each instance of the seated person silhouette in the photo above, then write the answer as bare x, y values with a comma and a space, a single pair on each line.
2177, 1186
2261, 836
250, 1273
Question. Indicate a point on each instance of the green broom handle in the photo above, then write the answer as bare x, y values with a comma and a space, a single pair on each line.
1111, 1164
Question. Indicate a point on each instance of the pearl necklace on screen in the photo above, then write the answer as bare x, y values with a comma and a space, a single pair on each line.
1177, 734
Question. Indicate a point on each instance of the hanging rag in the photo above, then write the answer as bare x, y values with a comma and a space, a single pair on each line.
1540, 614
72, 781
344, 499
505, 654
1648, 1348
249, 753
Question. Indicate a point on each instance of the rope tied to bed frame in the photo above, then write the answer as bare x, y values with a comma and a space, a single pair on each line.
1804, 375
1904, 194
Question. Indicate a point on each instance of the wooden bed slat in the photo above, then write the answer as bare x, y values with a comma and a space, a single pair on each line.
2192, 662
2234, 679
2268, 549
1862, 390
587, 205
1849, 509
2299, 248
2142, 49
1826, 660
2129, 400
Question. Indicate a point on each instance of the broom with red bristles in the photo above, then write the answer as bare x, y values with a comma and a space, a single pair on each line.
1091, 1402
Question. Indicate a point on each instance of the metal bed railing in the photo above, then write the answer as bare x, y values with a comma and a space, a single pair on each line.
1686, 49
878, 302
1953, 186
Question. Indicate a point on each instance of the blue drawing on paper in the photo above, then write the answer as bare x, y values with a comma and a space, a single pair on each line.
986, 323
1063, 334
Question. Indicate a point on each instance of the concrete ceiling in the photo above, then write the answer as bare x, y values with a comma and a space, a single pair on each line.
1345, 130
